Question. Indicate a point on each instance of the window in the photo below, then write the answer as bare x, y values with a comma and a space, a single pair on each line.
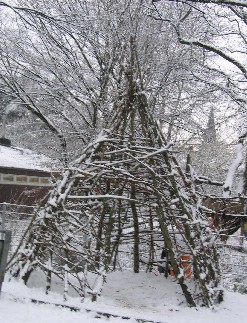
33, 180
44, 180
12, 179
21, 179
8, 178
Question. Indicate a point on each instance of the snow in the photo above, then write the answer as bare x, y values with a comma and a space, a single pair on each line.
232, 170
12, 157
136, 296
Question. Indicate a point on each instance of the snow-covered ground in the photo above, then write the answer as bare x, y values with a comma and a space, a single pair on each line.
136, 296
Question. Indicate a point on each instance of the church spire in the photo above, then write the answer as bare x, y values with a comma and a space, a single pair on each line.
209, 135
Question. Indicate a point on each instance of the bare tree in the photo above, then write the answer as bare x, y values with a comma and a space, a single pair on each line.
220, 34
67, 67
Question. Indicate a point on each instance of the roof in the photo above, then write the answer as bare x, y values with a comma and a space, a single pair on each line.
13, 157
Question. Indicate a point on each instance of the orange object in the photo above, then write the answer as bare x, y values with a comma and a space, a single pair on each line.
184, 263
172, 273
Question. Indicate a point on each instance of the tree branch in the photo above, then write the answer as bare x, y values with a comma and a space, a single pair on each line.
214, 50
236, 3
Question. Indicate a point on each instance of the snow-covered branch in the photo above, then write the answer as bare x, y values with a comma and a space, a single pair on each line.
235, 3
232, 170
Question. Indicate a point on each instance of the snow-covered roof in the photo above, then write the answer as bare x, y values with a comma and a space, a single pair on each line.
12, 157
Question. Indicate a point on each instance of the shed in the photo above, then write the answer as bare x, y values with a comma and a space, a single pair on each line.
25, 177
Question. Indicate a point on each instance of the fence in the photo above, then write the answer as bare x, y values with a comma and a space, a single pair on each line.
233, 257
15, 218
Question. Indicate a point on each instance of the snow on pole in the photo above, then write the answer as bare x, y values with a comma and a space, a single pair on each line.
65, 291
232, 170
